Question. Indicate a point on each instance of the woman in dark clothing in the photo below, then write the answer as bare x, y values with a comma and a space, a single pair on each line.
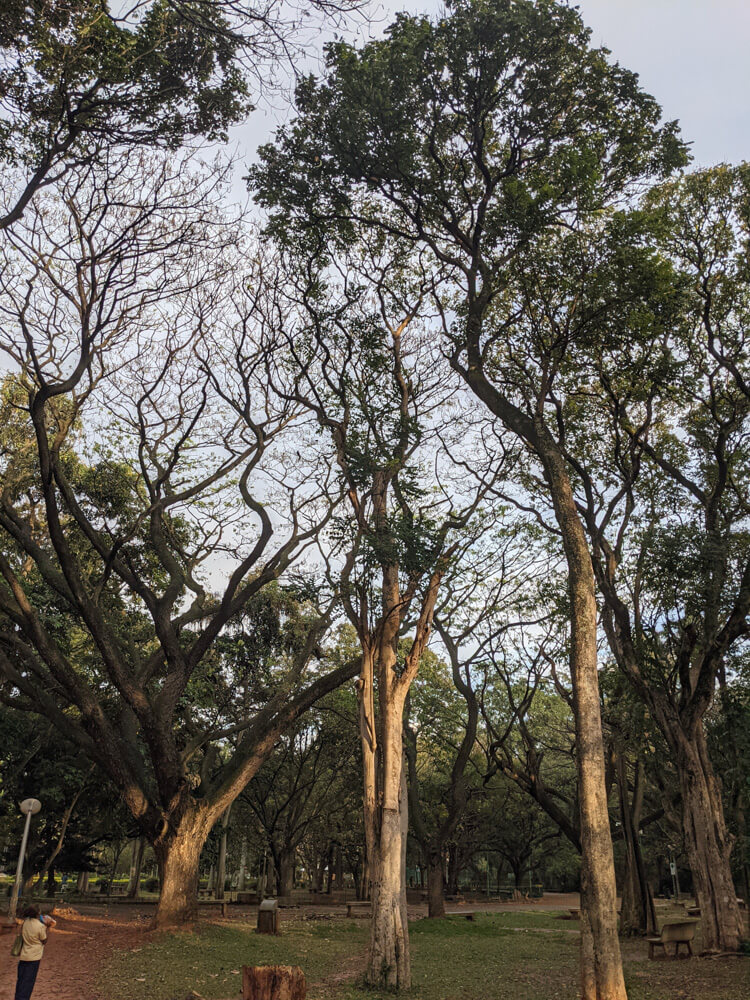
34, 934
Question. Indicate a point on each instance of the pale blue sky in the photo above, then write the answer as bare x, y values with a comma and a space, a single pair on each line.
692, 55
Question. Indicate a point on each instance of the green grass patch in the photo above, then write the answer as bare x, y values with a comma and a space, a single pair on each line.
507, 956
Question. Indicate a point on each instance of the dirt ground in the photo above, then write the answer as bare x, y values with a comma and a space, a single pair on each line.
72, 956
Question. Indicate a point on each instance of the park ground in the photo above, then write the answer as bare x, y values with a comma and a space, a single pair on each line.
507, 952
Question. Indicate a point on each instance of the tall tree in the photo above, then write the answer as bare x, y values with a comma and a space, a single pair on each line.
664, 498
125, 471
366, 366
465, 139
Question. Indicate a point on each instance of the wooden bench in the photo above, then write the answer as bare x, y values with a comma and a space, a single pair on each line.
360, 908
680, 932
695, 911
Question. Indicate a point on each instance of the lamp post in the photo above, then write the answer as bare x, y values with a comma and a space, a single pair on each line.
29, 807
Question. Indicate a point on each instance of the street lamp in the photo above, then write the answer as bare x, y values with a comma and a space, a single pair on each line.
29, 807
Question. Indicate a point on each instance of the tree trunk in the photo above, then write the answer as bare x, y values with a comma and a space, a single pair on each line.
82, 886
178, 858
273, 982
389, 966
638, 915
454, 869
601, 961
339, 867
435, 893
221, 868
51, 884
286, 872
243, 866
708, 843
134, 885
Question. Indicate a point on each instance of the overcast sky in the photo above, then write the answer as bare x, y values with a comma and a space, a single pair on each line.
692, 55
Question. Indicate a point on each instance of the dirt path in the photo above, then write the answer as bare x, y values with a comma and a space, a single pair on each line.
72, 957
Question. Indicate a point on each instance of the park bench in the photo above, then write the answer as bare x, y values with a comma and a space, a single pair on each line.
361, 908
680, 932
695, 911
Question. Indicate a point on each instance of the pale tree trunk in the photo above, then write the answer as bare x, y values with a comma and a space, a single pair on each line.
385, 795
707, 842
221, 868
601, 961
82, 886
136, 864
389, 966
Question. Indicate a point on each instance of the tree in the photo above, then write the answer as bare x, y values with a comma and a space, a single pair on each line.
365, 366
303, 780
466, 139
79, 78
661, 494
441, 735
117, 490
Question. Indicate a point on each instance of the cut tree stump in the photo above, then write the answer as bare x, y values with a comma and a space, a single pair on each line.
273, 982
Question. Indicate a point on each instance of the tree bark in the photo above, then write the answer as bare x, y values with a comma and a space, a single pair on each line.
134, 885
389, 965
707, 842
178, 857
638, 915
285, 872
601, 961
243, 866
273, 982
435, 891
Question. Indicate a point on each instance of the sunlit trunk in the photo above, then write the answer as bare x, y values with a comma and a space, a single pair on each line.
178, 856
601, 961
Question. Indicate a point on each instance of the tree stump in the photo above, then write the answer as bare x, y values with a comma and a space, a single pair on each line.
273, 982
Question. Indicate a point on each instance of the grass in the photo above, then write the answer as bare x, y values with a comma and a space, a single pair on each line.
508, 956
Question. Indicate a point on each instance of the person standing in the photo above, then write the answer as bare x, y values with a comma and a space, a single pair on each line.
34, 934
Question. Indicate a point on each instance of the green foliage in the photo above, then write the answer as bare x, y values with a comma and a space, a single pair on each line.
75, 75
474, 131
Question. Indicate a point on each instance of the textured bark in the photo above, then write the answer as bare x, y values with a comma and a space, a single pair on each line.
638, 915
388, 966
435, 893
601, 961
708, 844
273, 982
285, 872
178, 857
